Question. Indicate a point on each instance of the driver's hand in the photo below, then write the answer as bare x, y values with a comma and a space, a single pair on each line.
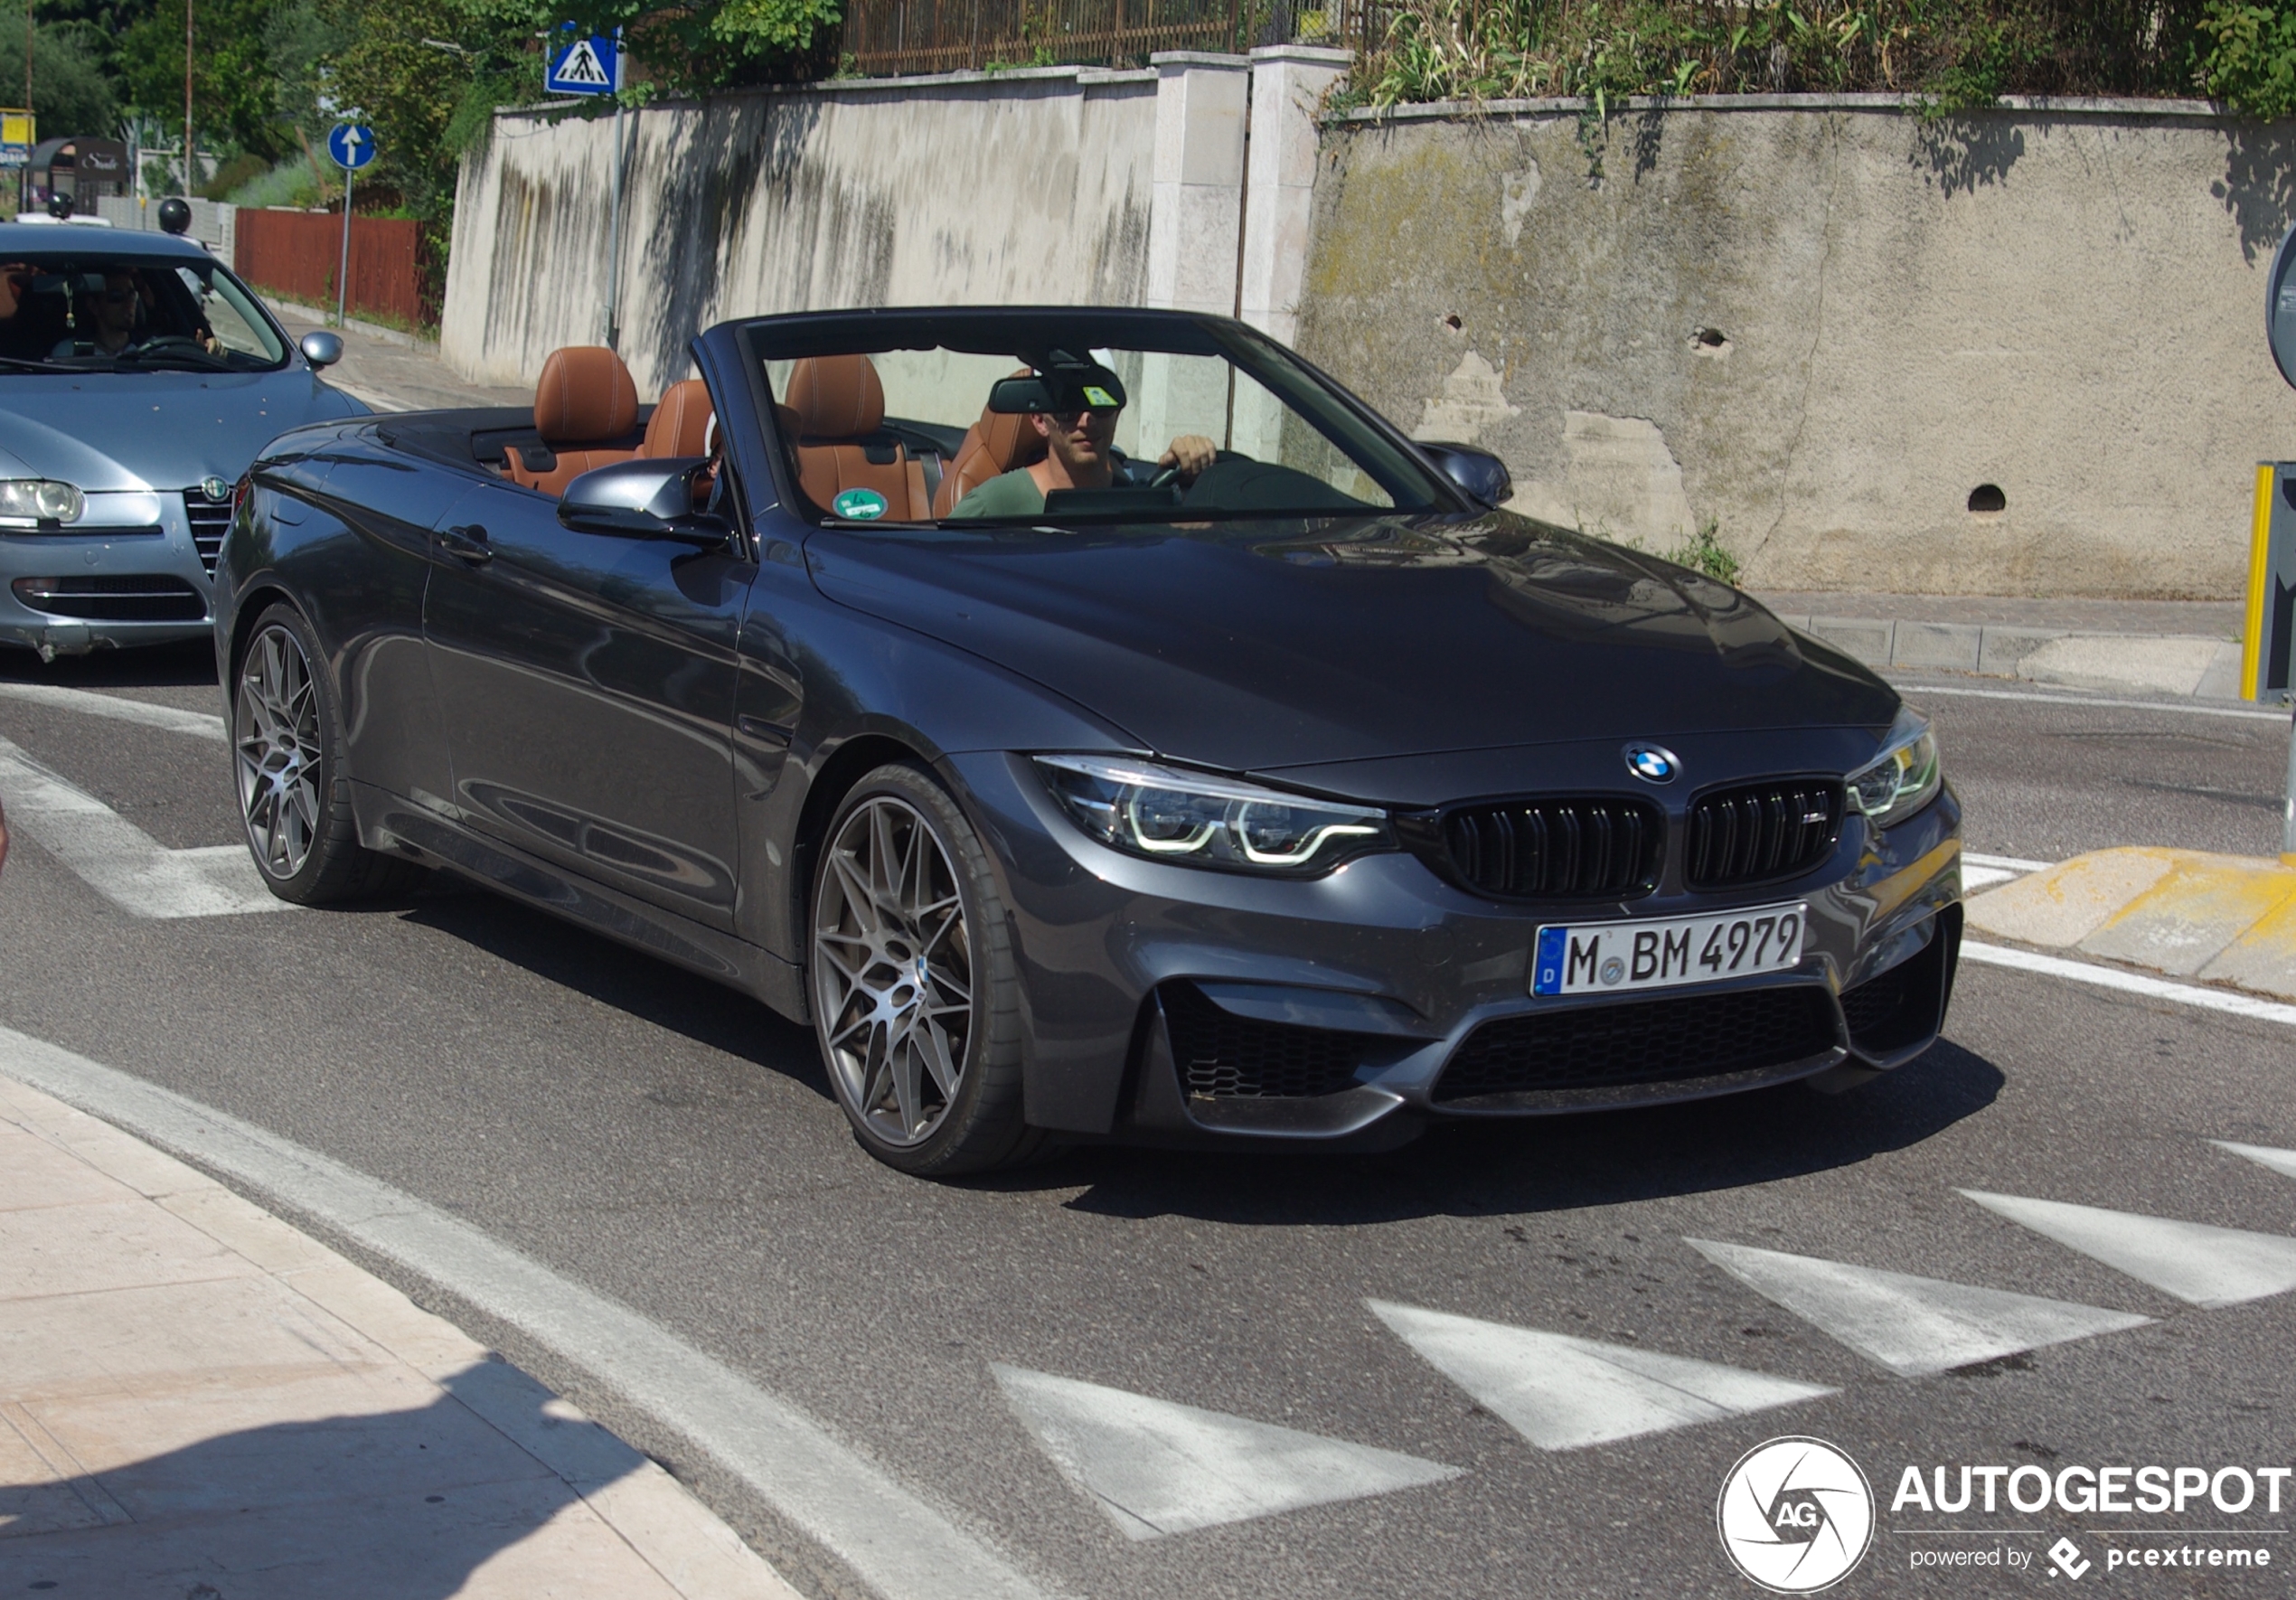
210, 344
1191, 453
15, 282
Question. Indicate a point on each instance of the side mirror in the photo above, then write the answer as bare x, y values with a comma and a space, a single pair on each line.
641, 499
1479, 472
321, 348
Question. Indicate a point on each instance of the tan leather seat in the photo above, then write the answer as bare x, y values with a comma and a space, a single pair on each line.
995, 445
839, 406
584, 403
680, 424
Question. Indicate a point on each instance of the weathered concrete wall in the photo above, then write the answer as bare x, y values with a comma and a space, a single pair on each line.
2061, 302
1023, 186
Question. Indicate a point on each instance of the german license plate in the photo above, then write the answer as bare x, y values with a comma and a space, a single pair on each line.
1608, 957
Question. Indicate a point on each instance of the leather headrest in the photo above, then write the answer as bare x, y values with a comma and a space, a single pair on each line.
1009, 441
836, 396
680, 424
586, 397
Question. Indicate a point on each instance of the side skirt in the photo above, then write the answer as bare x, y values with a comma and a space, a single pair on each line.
396, 828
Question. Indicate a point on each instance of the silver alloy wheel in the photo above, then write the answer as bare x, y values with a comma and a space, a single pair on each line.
893, 960
276, 730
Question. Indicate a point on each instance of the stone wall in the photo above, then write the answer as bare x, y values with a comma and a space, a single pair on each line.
1822, 325
1029, 186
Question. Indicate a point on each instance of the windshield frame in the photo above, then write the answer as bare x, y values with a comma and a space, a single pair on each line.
94, 259
1004, 331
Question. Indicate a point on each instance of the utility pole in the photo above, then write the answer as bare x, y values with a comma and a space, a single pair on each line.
187, 99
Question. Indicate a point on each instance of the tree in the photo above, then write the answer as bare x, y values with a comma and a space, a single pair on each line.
69, 91
234, 106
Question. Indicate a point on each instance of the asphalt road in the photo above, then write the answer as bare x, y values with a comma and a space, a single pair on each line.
674, 1146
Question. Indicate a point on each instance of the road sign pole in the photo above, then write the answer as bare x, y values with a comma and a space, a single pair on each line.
614, 244
342, 273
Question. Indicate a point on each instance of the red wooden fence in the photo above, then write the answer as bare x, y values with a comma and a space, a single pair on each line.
296, 254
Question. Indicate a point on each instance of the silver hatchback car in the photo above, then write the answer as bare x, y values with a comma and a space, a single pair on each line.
139, 378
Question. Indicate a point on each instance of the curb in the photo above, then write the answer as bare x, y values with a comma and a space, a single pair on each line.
692, 1551
2217, 919
2182, 665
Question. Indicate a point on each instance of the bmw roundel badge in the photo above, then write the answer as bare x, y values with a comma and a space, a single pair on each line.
1654, 764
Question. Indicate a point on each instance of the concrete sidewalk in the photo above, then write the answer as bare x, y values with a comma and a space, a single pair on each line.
395, 372
2158, 648
197, 1399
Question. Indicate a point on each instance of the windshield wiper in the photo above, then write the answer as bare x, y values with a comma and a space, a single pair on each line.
202, 362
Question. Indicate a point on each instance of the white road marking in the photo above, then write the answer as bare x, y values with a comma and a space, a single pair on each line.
2113, 977
119, 860
2207, 1266
2282, 1161
1155, 1467
1912, 1325
2005, 863
1918, 691
198, 724
897, 1543
1564, 1394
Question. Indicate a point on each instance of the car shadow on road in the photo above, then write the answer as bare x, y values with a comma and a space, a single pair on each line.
189, 664
651, 990
1544, 1164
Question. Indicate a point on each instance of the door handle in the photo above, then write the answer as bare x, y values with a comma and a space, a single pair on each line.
467, 544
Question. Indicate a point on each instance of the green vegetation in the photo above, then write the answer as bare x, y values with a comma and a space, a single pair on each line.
1951, 54
70, 84
1703, 553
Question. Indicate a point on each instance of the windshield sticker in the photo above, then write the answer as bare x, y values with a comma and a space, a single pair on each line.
1099, 399
859, 505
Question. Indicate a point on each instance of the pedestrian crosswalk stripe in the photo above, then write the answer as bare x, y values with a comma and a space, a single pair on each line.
1156, 1467
1912, 1325
2282, 1161
1563, 1393
2194, 1261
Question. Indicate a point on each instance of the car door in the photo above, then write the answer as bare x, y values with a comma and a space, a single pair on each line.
585, 684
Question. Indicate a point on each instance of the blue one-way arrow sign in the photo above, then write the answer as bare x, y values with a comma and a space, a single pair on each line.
590, 65
352, 144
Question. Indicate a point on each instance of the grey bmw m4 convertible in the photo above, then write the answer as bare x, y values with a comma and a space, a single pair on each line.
1097, 725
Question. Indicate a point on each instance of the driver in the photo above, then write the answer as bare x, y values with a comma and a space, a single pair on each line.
106, 317
1078, 454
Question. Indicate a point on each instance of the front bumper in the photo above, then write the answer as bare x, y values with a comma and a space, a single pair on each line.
86, 588
1174, 1005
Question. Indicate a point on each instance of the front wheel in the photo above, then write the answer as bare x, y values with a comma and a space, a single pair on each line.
286, 750
915, 988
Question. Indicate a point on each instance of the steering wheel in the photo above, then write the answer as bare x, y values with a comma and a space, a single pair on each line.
1170, 474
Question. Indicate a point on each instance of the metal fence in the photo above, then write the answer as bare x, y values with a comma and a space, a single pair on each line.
296, 255
893, 37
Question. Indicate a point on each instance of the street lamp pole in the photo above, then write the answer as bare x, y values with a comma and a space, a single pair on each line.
187, 99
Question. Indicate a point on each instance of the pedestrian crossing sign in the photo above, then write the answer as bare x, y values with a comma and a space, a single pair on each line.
590, 65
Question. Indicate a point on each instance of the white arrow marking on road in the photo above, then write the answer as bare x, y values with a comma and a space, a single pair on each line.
119, 860
2282, 1161
1564, 1394
198, 724
1912, 1325
2194, 1261
1156, 1467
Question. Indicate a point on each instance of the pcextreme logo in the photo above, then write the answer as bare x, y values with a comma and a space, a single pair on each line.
1796, 1515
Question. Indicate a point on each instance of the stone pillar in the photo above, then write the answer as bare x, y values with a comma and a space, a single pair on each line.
1195, 222
1288, 85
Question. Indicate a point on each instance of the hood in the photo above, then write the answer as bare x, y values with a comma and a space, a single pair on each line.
1265, 645
152, 431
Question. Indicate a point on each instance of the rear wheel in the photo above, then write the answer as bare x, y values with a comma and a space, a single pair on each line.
915, 989
286, 746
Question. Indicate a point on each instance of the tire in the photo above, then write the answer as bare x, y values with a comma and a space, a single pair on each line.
909, 946
288, 772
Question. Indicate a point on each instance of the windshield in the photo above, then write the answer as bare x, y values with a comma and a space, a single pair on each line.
91, 312
1074, 417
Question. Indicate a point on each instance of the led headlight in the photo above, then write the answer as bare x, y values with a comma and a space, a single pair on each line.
1199, 819
28, 502
1904, 777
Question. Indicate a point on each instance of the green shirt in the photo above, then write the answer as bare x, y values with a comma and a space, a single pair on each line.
1013, 494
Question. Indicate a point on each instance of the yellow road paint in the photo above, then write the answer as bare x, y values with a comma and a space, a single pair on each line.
2065, 905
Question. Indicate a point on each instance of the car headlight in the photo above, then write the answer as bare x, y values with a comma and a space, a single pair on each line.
1904, 777
1199, 819
29, 502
